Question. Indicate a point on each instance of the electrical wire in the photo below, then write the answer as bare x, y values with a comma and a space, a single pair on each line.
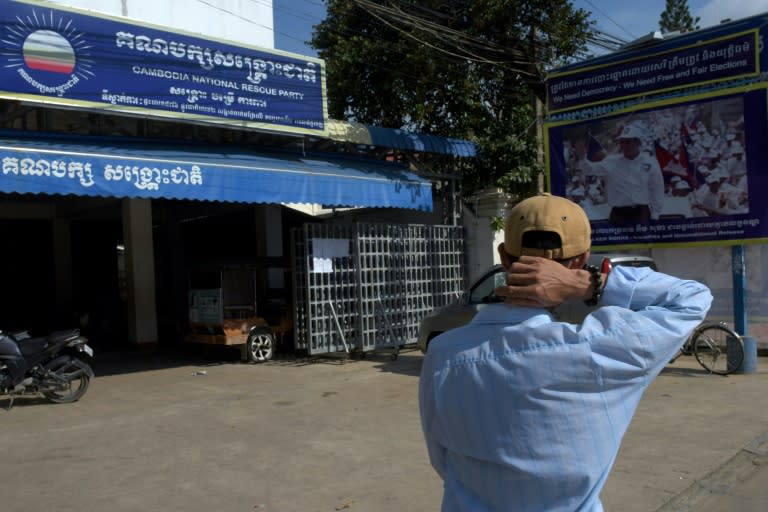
467, 55
602, 13
261, 25
436, 29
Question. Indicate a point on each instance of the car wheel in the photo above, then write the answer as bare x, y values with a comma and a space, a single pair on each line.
260, 346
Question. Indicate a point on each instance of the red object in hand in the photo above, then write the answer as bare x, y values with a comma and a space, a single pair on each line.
605, 267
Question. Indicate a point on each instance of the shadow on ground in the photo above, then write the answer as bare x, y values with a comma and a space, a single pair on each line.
680, 371
141, 360
204, 356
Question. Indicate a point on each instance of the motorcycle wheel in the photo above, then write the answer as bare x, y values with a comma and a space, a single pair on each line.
77, 376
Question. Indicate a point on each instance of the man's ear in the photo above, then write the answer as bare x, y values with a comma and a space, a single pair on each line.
503, 256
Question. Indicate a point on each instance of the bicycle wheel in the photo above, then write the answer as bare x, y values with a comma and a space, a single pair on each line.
718, 349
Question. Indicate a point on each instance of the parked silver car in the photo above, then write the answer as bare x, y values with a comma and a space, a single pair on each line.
481, 293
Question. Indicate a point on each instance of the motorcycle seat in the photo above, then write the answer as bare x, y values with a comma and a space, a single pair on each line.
58, 336
30, 346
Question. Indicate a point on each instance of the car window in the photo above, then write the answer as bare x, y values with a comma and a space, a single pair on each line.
639, 263
622, 260
482, 292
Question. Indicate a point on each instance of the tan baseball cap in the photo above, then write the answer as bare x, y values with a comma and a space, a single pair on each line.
546, 212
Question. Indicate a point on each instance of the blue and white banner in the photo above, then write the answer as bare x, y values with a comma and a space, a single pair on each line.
68, 57
659, 65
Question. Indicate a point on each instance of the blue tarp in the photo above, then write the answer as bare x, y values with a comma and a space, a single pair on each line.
114, 168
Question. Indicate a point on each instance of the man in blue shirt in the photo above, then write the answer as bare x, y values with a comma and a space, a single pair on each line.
524, 413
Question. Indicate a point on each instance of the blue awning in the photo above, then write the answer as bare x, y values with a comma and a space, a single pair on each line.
230, 174
358, 133
421, 142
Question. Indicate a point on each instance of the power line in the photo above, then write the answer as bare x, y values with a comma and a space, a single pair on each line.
236, 15
261, 25
455, 43
437, 29
603, 14
464, 55
460, 44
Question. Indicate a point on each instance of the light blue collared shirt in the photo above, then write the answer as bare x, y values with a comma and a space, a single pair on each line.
523, 413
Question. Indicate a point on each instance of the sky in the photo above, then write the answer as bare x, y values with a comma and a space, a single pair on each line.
293, 19
632, 20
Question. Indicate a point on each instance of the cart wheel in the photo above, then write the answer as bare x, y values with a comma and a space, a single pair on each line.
393, 357
260, 346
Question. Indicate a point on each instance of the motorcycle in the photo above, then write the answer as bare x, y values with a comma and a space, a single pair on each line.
53, 365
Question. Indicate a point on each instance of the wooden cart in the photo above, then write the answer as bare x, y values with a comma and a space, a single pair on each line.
222, 310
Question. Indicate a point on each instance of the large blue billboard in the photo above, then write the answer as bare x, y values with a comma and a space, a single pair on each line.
698, 167
67, 57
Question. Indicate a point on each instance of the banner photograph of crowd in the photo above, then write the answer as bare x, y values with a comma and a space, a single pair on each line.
682, 162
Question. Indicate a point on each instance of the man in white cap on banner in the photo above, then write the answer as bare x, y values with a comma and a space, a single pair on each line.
634, 185
708, 200
679, 203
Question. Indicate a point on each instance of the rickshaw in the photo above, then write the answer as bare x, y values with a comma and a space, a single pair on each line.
223, 310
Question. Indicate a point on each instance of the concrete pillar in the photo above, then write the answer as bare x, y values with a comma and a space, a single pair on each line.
481, 243
140, 271
482, 239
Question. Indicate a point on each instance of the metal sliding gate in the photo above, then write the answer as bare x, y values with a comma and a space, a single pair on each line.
365, 287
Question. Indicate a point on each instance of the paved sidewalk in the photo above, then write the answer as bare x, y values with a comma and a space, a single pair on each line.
748, 495
694, 438
741, 483
169, 433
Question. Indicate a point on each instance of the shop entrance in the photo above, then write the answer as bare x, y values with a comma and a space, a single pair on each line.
27, 300
98, 282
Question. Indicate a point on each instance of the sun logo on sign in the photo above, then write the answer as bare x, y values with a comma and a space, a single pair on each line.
48, 52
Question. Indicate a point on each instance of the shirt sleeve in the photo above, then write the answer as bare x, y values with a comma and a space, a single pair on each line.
647, 315
427, 406
592, 168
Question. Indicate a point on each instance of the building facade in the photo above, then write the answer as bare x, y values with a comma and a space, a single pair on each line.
136, 152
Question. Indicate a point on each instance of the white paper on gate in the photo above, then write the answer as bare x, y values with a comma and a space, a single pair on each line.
324, 250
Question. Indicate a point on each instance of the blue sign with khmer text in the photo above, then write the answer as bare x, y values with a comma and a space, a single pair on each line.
67, 57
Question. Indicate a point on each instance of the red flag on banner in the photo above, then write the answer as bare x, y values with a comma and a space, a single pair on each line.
664, 156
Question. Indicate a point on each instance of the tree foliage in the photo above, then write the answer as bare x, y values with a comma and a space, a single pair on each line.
457, 68
677, 17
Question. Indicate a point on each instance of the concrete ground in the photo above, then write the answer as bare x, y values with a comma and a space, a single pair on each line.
171, 433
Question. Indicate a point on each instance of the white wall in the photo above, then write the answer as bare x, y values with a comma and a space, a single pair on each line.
482, 242
241, 21
713, 267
